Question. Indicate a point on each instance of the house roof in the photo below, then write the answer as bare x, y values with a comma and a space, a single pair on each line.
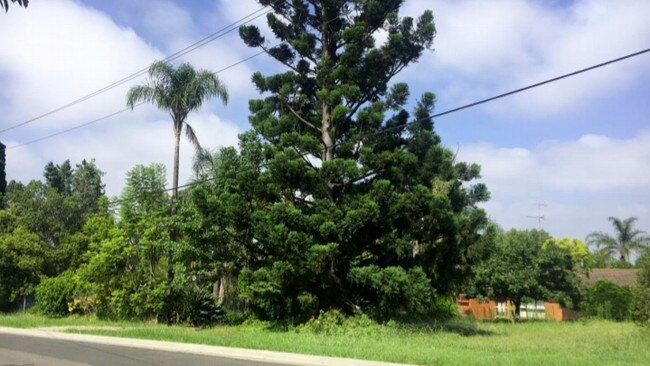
620, 276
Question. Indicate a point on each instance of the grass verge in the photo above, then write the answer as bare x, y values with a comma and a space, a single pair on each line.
460, 342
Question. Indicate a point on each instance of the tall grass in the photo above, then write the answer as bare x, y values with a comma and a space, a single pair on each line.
457, 342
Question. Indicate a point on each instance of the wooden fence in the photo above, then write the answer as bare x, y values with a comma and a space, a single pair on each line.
506, 310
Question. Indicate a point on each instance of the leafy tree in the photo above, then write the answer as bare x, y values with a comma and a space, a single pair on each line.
4, 4
338, 186
626, 240
579, 251
87, 186
57, 210
125, 268
21, 264
44, 211
59, 177
608, 300
178, 91
522, 269
602, 259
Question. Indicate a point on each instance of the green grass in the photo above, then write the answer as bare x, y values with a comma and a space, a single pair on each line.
29, 320
460, 342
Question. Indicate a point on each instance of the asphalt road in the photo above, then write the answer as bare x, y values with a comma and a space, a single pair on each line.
17, 350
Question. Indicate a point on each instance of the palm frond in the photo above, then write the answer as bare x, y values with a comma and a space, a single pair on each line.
161, 71
204, 162
191, 135
603, 240
140, 93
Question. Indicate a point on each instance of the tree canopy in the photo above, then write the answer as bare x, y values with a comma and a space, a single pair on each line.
340, 197
527, 266
178, 91
626, 240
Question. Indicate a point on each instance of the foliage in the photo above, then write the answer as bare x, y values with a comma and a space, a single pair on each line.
337, 185
178, 91
54, 294
4, 4
118, 270
398, 292
601, 259
521, 268
458, 342
193, 305
579, 252
57, 210
627, 239
59, 177
608, 300
334, 322
21, 264
127, 271
641, 301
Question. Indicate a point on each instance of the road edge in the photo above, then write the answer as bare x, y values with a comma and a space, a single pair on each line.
285, 358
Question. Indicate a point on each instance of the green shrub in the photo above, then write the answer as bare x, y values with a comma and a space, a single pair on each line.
641, 305
393, 292
641, 302
54, 294
266, 291
233, 317
334, 322
607, 300
194, 306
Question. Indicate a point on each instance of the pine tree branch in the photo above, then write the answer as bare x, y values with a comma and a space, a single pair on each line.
300, 118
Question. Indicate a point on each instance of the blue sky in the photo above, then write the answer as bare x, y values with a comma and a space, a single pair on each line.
581, 145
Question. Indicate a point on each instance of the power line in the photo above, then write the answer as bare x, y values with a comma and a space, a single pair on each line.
450, 111
123, 110
386, 129
202, 42
122, 200
544, 82
72, 128
120, 111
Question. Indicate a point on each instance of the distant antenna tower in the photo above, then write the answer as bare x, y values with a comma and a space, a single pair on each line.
539, 217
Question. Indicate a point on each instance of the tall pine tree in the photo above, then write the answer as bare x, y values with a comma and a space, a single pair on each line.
340, 197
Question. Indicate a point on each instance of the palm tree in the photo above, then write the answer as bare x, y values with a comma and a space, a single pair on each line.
178, 91
4, 4
627, 239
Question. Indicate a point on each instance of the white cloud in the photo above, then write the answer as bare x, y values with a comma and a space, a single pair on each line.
120, 146
167, 19
60, 50
500, 45
583, 182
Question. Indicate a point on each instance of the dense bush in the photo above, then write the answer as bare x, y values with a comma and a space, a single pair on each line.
641, 302
192, 305
53, 295
334, 322
607, 300
393, 292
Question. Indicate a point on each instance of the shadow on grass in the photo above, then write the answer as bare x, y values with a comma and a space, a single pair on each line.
460, 326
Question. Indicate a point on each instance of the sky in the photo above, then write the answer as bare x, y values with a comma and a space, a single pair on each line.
575, 151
